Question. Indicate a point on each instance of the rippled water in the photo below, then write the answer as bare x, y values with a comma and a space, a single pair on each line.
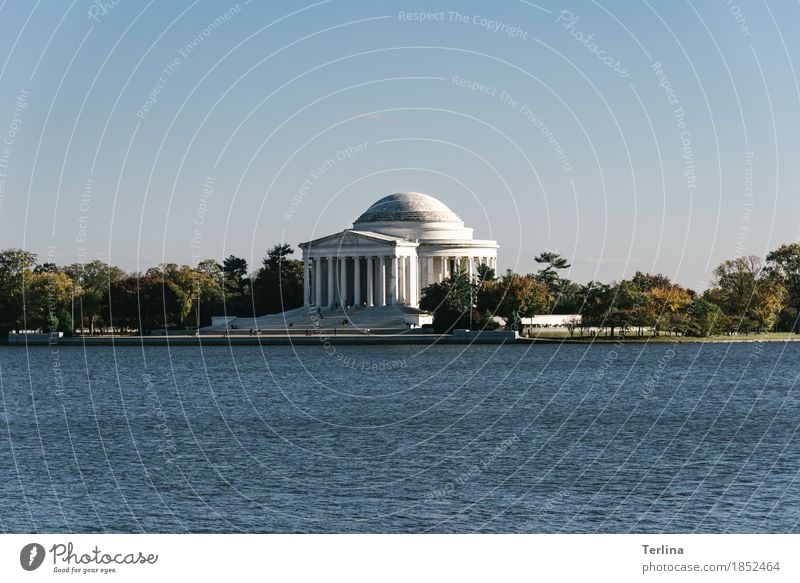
401, 439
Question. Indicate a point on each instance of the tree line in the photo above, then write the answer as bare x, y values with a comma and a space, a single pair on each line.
747, 295
97, 298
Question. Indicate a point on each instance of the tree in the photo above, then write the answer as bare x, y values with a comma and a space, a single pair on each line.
485, 273
770, 299
279, 283
46, 268
94, 279
449, 301
235, 273
49, 297
209, 281
123, 304
649, 281
552, 262
597, 300
705, 319
193, 289
736, 282
784, 265
566, 297
627, 307
571, 324
144, 302
15, 269
747, 293
669, 305
158, 304
513, 297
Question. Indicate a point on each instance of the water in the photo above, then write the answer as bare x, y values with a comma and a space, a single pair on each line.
687, 438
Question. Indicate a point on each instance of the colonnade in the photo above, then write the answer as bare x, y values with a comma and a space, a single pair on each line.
379, 280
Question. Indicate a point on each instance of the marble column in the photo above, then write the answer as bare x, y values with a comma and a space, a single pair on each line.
413, 283
357, 280
382, 281
401, 280
306, 283
329, 261
393, 284
370, 282
430, 271
407, 280
318, 281
342, 281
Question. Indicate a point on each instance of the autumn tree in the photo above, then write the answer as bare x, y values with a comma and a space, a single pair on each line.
669, 305
514, 296
747, 293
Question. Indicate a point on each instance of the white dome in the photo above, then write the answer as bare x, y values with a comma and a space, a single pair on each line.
408, 207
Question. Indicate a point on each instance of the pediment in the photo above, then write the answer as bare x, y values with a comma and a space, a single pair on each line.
349, 238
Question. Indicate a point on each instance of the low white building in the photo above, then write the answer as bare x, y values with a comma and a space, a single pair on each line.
399, 245
553, 320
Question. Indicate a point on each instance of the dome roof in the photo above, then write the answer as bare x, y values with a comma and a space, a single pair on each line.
407, 207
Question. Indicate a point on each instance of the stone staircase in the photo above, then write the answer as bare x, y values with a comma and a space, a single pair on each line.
379, 319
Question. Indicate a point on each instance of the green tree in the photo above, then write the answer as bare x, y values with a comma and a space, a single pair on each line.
627, 307
597, 300
197, 290
94, 279
566, 297
450, 302
553, 262
209, 281
235, 273
784, 265
144, 302
278, 285
747, 293
49, 298
15, 269
705, 318
485, 273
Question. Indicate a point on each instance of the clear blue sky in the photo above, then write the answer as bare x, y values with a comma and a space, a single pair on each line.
572, 143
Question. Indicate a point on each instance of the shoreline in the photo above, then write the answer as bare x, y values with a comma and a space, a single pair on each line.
371, 340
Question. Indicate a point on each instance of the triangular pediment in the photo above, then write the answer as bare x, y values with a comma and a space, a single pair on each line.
349, 238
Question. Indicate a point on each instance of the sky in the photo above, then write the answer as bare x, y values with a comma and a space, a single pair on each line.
627, 136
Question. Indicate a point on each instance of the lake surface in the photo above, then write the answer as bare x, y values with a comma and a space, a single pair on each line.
572, 438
